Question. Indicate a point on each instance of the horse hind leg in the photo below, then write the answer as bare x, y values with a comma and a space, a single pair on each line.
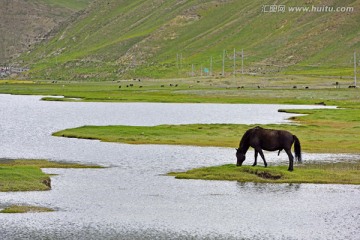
255, 157
291, 159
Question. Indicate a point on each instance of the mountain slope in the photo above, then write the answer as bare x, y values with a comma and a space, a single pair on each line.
26, 23
138, 38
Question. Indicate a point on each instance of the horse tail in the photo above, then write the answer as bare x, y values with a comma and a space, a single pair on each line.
297, 148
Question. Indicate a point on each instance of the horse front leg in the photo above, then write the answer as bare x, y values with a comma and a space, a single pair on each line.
256, 154
291, 159
262, 156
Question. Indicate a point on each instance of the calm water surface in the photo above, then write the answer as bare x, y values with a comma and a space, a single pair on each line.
132, 199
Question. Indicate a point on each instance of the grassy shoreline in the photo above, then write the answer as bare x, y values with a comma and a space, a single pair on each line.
320, 131
317, 173
25, 209
26, 175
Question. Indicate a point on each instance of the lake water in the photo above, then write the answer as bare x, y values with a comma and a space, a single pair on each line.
132, 199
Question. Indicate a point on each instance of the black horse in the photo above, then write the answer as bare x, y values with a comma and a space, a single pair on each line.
270, 140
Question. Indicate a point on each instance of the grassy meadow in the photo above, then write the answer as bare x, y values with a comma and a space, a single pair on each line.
281, 89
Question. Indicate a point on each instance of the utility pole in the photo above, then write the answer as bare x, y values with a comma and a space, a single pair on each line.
234, 62
177, 61
180, 60
242, 61
223, 64
355, 68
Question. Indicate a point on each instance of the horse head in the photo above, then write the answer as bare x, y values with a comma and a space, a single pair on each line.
240, 157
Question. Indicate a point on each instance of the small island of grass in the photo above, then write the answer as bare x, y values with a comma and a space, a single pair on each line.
25, 209
319, 131
26, 175
319, 173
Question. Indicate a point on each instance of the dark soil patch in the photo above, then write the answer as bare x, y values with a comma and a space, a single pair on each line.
265, 174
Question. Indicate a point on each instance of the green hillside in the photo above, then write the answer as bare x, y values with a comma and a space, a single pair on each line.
136, 38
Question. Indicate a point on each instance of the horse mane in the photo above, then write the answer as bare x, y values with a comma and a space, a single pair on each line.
244, 142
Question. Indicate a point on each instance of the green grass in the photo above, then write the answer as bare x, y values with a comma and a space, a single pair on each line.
277, 89
317, 173
23, 178
25, 209
42, 163
26, 175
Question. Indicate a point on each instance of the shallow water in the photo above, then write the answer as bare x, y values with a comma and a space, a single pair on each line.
132, 199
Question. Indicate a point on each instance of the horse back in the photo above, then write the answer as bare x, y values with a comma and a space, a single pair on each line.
271, 140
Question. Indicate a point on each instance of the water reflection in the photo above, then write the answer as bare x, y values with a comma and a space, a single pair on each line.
281, 188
